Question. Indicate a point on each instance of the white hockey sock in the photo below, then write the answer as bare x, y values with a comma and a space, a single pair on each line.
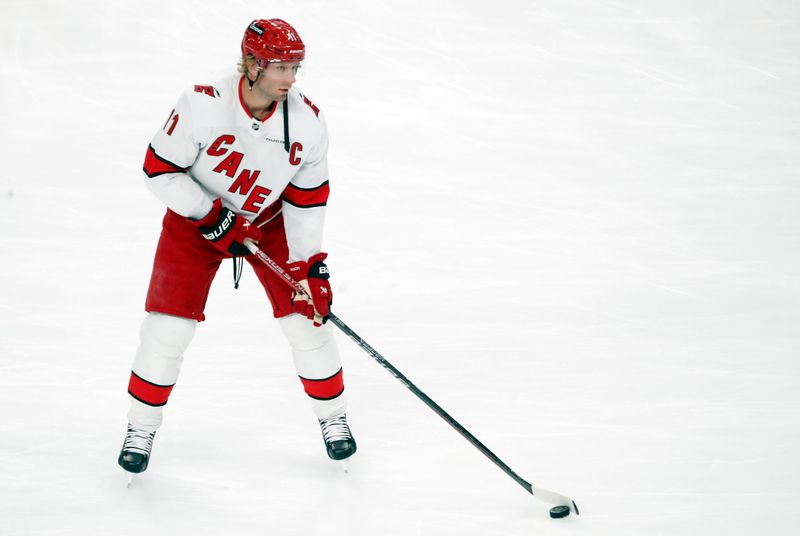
162, 342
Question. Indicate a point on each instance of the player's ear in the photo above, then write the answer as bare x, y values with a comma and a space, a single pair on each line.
252, 71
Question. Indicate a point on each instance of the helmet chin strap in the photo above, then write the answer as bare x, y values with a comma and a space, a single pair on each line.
286, 124
251, 82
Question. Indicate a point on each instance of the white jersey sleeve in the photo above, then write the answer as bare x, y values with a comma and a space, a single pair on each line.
305, 199
172, 151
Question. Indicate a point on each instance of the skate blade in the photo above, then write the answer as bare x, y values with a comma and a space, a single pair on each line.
345, 468
130, 480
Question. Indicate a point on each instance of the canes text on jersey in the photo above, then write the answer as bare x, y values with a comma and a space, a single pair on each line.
245, 182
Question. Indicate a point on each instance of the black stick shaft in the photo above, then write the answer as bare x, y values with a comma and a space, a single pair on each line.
275, 267
429, 402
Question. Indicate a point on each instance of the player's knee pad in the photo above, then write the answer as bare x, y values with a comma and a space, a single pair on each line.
165, 335
303, 335
314, 349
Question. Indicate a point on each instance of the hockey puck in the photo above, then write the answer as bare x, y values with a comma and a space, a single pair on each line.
557, 512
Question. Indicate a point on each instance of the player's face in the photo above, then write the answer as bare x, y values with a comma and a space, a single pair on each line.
277, 78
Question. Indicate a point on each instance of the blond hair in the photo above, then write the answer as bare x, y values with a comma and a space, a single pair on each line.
245, 62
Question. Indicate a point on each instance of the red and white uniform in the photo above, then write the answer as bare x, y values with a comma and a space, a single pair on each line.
211, 147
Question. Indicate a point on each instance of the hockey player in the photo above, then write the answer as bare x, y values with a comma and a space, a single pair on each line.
243, 159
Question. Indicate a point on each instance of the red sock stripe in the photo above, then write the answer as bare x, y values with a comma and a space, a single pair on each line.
150, 393
326, 388
154, 165
307, 197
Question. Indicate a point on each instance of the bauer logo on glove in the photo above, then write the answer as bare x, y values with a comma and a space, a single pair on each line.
226, 230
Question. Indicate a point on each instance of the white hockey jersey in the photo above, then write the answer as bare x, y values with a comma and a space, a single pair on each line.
212, 147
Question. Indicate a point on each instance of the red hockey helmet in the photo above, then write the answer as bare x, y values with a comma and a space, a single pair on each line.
272, 40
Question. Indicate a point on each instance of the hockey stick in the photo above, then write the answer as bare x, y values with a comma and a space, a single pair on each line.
540, 493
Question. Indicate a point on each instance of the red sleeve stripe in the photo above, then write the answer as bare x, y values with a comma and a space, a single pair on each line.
147, 392
326, 388
154, 165
307, 197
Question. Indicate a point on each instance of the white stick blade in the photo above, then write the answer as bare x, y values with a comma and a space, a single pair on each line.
556, 498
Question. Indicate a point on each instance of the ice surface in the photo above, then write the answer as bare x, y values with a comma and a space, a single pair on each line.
574, 224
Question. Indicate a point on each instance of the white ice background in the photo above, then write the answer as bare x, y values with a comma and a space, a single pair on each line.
574, 224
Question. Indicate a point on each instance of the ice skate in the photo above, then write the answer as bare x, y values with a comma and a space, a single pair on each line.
136, 449
339, 441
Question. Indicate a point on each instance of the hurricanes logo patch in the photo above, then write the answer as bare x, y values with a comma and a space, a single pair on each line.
211, 91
